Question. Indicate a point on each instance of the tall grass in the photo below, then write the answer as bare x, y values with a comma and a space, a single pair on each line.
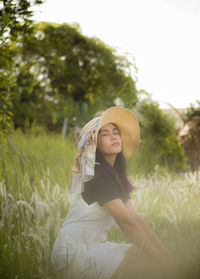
34, 172
27, 159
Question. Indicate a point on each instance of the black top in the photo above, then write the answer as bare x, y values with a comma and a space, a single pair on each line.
103, 188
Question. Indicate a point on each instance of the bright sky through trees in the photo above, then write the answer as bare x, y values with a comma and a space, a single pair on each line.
163, 36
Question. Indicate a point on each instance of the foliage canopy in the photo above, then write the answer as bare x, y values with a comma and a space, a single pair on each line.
61, 69
15, 22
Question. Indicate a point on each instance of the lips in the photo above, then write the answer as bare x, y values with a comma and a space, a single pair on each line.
115, 144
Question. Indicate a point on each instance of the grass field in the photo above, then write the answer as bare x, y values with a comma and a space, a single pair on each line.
34, 173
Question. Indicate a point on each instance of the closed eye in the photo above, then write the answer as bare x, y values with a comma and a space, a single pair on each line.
107, 133
116, 132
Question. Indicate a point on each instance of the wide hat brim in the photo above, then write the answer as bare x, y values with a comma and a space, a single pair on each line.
126, 122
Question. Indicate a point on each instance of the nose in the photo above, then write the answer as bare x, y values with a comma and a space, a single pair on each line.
113, 136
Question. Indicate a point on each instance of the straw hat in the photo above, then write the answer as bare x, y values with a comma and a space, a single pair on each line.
125, 121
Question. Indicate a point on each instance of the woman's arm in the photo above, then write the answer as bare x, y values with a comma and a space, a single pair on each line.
133, 229
146, 228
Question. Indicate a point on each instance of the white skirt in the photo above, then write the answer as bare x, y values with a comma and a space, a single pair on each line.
98, 260
80, 249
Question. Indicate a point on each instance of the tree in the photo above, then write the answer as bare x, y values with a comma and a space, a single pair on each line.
14, 22
7, 77
159, 144
72, 68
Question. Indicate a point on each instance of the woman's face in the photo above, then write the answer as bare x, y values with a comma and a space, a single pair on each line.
109, 140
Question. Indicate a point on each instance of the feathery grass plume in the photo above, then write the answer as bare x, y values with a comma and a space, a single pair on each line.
33, 183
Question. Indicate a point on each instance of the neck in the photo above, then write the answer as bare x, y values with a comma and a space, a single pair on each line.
110, 159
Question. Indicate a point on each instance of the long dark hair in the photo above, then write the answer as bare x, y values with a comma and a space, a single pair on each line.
118, 171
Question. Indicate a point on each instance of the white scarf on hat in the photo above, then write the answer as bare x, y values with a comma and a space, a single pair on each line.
84, 162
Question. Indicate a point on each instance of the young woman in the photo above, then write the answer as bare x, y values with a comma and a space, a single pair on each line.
101, 197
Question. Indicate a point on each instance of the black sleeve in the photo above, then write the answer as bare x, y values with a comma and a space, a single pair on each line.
102, 188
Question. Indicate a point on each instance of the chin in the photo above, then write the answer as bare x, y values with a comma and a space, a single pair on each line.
118, 151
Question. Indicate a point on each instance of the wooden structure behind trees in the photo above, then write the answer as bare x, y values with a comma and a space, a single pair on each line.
189, 137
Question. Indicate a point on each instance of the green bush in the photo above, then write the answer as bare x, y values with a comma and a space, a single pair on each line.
159, 145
